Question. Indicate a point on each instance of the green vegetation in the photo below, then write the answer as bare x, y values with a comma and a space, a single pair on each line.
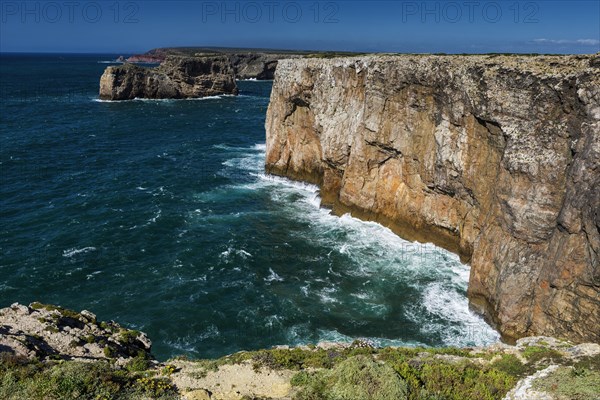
128, 336
465, 380
214, 364
589, 363
52, 328
441, 376
108, 326
49, 307
23, 379
535, 354
419, 373
358, 371
358, 377
297, 359
109, 352
511, 365
139, 363
402, 377
571, 383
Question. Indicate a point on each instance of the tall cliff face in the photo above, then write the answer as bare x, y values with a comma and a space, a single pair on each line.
494, 157
175, 78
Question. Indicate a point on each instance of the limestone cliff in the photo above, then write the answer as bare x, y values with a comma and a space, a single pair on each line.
175, 78
494, 157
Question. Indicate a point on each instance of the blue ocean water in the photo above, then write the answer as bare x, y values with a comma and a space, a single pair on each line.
157, 214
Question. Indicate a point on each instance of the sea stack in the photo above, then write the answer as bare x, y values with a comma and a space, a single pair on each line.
494, 157
175, 78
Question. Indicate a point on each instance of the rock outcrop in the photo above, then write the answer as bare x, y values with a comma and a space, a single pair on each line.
47, 332
494, 157
175, 78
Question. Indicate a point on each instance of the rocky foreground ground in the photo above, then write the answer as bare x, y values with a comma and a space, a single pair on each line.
48, 352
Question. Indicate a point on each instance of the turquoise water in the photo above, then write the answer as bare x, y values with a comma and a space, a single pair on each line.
157, 214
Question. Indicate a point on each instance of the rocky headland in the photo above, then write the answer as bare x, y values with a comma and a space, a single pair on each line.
247, 64
175, 78
494, 157
48, 352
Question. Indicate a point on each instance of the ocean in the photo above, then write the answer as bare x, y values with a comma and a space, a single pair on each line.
158, 214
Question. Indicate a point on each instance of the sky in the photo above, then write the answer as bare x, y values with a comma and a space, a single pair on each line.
469, 26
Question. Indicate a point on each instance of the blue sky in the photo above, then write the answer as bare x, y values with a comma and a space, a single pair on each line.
110, 26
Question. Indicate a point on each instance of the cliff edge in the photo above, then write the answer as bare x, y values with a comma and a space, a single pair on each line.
494, 157
175, 78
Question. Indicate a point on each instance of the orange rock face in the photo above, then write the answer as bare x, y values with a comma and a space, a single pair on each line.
494, 157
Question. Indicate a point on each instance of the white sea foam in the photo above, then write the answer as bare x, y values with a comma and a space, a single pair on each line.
155, 217
163, 101
244, 163
93, 274
229, 255
273, 276
74, 251
244, 253
256, 147
446, 304
254, 80
326, 295
305, 290
273, 321
361, 295
372, 251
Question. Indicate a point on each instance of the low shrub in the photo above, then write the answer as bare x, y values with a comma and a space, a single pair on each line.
358, 377
22, 379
